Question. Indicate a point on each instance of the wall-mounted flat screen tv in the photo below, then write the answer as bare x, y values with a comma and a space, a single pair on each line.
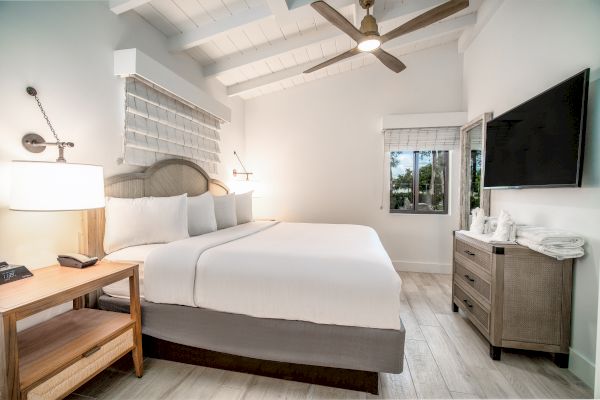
539, 143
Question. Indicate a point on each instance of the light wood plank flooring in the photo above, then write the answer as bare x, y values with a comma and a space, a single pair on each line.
445, 358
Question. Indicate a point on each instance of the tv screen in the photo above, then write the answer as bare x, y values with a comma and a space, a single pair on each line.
540, 142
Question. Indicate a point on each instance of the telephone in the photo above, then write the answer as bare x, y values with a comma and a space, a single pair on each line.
75, 260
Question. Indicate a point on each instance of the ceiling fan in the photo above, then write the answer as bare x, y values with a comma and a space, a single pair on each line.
368, 37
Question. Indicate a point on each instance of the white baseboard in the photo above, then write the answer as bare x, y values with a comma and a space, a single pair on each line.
412, 266
581, 367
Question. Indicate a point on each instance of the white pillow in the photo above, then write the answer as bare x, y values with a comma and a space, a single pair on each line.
225, 211
201, 214
146, 220
243, 207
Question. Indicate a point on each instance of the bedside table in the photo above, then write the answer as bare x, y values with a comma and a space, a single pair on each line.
52, 359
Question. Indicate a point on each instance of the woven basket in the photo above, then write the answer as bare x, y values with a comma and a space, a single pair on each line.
71, 377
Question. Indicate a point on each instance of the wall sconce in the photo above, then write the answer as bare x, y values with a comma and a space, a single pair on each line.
54, 186
35, 143
236, 172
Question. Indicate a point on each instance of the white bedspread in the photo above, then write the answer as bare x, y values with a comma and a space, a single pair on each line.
322, 273
136, 254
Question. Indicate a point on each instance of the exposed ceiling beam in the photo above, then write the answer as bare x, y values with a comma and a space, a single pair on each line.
206, 33
276, 48
273, 9
261, 81
430, 32
121, 6
307, 38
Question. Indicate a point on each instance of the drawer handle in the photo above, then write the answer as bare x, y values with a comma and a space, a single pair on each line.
469, 253
469, 278
91, 351
468, 304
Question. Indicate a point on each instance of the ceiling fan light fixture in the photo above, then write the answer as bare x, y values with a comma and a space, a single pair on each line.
369, 44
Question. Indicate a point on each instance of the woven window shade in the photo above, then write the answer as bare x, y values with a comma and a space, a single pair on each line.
413, 139
159, 125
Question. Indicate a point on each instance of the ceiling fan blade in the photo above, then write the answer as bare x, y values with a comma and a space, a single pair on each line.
427, 18
337, 19
333, 60
389, 60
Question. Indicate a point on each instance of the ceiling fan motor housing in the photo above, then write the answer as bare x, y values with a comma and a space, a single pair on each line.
366, 3
368, 26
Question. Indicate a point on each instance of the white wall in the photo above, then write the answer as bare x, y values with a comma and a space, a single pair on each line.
65, 50
318, 150
525, 48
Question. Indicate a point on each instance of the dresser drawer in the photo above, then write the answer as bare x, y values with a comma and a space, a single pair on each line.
68, 379
472, 308
480, 257
472, 279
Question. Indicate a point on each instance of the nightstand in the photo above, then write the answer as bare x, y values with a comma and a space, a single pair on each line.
52, 359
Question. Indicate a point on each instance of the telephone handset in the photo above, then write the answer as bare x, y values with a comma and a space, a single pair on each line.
75, 260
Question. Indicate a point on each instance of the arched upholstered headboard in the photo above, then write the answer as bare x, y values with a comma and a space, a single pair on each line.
165, 178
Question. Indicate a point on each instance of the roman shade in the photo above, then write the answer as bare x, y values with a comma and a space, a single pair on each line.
160, 125
414, 139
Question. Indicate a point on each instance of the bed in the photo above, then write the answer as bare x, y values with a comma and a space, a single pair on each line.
317, 303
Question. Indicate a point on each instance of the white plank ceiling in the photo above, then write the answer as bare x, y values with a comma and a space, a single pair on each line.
256, 47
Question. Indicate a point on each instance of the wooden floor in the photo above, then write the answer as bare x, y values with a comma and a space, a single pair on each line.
445, 358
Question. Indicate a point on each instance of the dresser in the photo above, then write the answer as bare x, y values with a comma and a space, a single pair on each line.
517, 298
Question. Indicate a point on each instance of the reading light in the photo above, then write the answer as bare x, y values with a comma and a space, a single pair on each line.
55, 186
236, 172
35, 143
369, 44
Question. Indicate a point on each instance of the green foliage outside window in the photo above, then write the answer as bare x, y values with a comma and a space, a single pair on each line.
475, 178
432, 172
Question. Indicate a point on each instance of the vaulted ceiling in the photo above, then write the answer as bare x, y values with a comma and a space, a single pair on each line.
256, 47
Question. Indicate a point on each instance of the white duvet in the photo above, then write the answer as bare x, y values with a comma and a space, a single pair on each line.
321, 273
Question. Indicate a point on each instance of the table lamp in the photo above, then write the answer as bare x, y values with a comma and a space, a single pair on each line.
55, 186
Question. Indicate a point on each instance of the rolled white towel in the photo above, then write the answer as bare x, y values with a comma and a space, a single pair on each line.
491, 223
558, 252
477, 220
550, 236
505, 226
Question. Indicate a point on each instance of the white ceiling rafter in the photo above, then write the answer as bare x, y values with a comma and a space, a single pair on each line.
282, 46
121, 6
208, 32
432, 31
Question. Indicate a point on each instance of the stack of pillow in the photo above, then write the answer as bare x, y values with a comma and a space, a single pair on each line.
146, 220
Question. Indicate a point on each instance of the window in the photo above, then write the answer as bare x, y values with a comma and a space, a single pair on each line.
475, 179
419, 182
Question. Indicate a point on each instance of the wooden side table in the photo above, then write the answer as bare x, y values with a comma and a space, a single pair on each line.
52, 359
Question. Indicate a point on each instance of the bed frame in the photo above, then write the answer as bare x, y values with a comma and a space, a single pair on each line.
174, 177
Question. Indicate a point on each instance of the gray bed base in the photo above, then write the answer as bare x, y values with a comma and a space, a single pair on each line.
284, 341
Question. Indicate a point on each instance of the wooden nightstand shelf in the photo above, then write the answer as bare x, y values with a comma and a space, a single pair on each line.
50, 360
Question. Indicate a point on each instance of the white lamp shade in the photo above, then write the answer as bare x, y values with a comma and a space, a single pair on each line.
55, 186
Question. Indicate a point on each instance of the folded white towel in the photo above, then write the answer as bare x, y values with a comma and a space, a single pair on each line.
558, 252
477, 220
486, 237
549, 236
505, 228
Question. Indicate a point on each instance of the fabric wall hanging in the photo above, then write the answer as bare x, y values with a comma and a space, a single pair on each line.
160, 125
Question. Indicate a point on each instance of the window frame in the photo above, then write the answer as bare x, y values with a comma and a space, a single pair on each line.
415, 186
